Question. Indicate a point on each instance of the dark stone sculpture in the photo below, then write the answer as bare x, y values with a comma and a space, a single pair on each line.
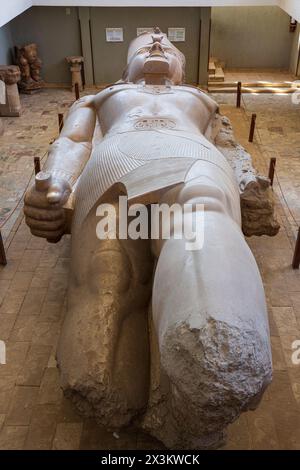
30, 65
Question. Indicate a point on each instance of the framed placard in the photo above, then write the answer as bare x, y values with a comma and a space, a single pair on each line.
176, 34
140, 31
114, 34
2, 93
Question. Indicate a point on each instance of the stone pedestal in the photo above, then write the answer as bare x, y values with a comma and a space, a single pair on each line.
75, 63
10, 74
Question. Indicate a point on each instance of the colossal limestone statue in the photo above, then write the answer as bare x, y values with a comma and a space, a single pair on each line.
158, 336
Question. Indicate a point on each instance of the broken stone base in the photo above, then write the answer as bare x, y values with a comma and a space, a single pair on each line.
208, 377
10, 74
257, 208
12, 108
256, 195
31, 87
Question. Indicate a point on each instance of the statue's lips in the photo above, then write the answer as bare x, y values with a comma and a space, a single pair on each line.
156, 64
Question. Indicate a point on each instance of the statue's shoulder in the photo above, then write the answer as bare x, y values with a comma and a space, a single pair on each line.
195, 90
112, 89
202, 95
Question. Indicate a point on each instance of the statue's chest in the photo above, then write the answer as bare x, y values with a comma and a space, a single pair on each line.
154, 98
159, 101
150, 107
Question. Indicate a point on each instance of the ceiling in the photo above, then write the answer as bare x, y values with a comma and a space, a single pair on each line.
13, 8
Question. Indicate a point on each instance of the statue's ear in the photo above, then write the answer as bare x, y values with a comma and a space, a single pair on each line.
125, 74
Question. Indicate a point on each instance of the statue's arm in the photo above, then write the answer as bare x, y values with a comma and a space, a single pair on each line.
44, 209
257, 202
69, 154
220, 133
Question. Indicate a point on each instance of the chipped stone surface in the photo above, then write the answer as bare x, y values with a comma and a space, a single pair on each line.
234, 365
276, 421
257, 202
257, 208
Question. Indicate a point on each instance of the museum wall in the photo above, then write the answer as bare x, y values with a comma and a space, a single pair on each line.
294, 62
110, 58
251, 37
241, 36
57, 35
6, 45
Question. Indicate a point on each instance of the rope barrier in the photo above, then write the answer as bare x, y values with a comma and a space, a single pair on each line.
284, 198
296, 246
60, 125
275, 170
37, 163
279, 184
23, 194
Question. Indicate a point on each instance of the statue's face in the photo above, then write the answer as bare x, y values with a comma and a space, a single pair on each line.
31, 53
166, 59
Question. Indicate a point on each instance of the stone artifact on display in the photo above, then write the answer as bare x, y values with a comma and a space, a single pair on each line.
75, 63
156, 336
10, 105
30, 65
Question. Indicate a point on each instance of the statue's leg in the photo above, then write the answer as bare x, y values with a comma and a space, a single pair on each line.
26, 77
103, 353
210, 319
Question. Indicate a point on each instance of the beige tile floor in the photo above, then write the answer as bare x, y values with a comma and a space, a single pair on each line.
264, 75
33, 412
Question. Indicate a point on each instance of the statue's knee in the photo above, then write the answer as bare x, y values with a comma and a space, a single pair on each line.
196, 193
194, 197
110, 269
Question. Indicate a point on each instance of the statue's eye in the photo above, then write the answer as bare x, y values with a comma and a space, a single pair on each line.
143, 50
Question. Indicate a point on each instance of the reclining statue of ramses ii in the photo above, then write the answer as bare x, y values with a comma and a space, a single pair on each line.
158, 337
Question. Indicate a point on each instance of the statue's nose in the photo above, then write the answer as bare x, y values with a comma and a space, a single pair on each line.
156, 49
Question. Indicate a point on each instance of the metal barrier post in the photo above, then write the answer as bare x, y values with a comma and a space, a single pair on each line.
272, 169
296, 258
239, 95
252, 127
3, 259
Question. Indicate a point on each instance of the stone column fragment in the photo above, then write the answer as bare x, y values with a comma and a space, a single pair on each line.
75, 69
10, 75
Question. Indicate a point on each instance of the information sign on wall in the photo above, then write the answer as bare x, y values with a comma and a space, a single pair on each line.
114, 34
140, 31
176, 34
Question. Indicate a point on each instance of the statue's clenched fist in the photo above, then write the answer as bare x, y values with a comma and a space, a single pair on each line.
43, 206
